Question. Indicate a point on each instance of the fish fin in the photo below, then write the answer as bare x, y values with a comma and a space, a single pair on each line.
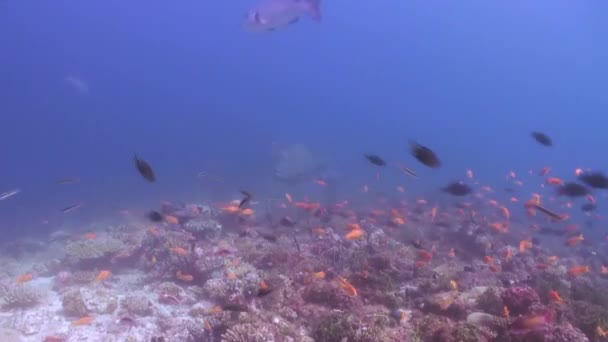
313, 8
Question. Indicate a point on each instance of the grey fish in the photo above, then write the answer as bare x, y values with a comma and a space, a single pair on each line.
270, 15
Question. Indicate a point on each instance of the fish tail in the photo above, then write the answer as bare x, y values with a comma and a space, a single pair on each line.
313, 8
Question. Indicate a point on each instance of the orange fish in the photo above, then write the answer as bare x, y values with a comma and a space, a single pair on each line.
86, 320
508, 253
171, 219
424, 255
400, 188
420, 263
505, 312
452, 253
500, 227
184, 276
152, 230
320, 182
603, 269
288, 197
346, 286
525, 245
578, 270
544, 171
353, 226
433, 214
178, 251
24, 278
470, 174
319, 275
489, 260
554, 296
89, 236
103, 275
573, 241
247, 212
355, 234
554, 181
505, 212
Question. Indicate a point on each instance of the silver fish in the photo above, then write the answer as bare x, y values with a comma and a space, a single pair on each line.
8, 194
270, 15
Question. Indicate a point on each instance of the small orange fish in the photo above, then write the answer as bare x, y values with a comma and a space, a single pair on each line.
320, 182
433, 214
207, 325
525, 245
103, 275
425, 255
452, 253
86, 320
231, 275
247, 212
578, 171
346, 286
454, 285
24, 278
544, 171
505, 312
152, 230
470, 174
355, 234
353, 226
215, 309
573, 241
494, 268
400, 188
554, 296
488, 260
603, 270
420, 263
178, 251
578, 270
508, 253
288, 197
89, 236
171, 219
184, 276
500, 227
319, 275
505, 212
554, 181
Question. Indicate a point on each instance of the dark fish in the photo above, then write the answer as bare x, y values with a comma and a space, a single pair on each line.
154, 216
245, 199
68, 181
287, 222
587, 207
264, 291
572, 189
268, 237
424, 155
71, 208
144, 169
542, 138
551, 231
417, 244
595, 180
457, 189
235, 307
374, 159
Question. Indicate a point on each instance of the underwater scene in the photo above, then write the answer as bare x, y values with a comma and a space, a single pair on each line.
303, 171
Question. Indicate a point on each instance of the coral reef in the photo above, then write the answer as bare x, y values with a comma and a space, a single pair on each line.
19, 296
138, 305
519, 299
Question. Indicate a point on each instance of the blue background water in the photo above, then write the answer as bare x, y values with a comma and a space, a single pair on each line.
182, 85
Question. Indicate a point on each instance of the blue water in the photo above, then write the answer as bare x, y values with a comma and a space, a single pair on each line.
183, 86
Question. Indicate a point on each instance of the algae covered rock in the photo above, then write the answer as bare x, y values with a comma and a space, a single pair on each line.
19, 296
73, 304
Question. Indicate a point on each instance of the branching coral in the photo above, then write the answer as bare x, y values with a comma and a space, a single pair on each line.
19, 296
248, 332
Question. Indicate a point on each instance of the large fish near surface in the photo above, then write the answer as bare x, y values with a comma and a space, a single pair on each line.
270, 15
297, 164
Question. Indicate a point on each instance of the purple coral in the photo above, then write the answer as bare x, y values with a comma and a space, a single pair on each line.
520, 299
